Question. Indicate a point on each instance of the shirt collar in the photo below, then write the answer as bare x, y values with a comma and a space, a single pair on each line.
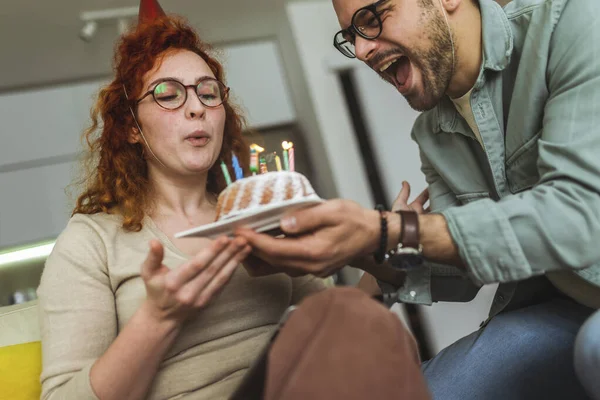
497, 36
497, 43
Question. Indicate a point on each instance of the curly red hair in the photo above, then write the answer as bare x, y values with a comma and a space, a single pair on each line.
116, 178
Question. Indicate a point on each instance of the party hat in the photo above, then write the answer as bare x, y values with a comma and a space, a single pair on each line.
149, 10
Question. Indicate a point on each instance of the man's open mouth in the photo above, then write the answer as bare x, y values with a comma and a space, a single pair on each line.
397, 71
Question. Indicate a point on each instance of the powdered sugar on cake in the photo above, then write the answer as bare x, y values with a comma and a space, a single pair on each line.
252, 193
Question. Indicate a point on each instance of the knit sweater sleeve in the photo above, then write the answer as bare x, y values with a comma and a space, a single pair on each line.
77, 311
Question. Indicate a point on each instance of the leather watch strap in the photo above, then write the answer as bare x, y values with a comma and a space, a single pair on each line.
409, 231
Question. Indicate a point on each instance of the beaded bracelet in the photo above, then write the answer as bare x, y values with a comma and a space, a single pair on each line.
379, 255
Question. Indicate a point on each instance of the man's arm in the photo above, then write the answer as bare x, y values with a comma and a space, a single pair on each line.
556, 223
438, 245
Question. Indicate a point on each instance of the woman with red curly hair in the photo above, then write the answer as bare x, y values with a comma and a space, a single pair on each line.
119, 320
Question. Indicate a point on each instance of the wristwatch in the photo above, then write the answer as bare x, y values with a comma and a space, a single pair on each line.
409, 251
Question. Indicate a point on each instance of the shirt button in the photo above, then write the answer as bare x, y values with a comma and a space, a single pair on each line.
500, 297
413, 294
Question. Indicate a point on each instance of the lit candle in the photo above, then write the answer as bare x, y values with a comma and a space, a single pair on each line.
292, 158
226, 173
257, 148
239, 173
286, 148
263, 166
286, 161
255, 151
253, 161
277, 162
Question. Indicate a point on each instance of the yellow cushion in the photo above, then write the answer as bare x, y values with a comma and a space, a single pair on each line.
20, 352
20, 368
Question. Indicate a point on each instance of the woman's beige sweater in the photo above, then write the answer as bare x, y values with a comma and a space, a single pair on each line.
91, 287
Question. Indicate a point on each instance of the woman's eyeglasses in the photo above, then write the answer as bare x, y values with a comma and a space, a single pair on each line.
171, 94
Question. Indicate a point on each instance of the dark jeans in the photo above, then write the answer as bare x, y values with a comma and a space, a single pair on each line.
525, 352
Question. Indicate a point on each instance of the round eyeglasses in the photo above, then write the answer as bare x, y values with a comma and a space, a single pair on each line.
366, 23
171, 94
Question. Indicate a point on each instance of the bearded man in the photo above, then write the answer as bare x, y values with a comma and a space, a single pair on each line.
509, 140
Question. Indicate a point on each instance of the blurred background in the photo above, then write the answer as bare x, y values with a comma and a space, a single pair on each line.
351, 131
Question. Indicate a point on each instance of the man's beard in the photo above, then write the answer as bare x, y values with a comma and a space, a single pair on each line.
435, 63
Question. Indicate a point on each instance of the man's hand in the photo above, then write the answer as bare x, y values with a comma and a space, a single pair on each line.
321, 239
418, 205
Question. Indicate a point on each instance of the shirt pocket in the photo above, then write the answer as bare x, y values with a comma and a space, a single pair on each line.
521, 167
466, 198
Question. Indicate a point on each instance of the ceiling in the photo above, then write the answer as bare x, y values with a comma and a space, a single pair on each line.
40, 44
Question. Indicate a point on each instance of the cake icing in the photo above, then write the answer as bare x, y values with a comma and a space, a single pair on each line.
254, 192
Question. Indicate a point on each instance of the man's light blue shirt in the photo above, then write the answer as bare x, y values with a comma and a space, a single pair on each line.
526, 201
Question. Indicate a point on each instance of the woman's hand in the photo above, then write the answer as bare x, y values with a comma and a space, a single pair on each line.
176, 294
256, 267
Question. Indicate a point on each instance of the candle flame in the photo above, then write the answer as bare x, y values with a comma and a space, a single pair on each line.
256, 147
287, 145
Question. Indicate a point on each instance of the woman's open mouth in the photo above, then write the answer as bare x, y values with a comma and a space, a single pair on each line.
198, 141
198, 138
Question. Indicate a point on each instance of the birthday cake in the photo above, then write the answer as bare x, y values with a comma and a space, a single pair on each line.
259, 191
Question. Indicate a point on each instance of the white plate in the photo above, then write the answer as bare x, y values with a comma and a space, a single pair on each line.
264, 219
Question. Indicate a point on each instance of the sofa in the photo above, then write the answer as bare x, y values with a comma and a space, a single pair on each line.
20, 352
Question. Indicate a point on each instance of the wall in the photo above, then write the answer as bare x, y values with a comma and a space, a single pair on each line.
322, 177
40, 139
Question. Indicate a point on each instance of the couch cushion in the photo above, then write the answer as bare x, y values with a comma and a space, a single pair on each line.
20, 352
20, 368
19, 324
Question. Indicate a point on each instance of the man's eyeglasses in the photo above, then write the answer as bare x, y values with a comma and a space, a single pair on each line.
366, 23
171, 94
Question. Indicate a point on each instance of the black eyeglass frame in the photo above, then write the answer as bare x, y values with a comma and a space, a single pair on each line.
225, 90
353, 29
